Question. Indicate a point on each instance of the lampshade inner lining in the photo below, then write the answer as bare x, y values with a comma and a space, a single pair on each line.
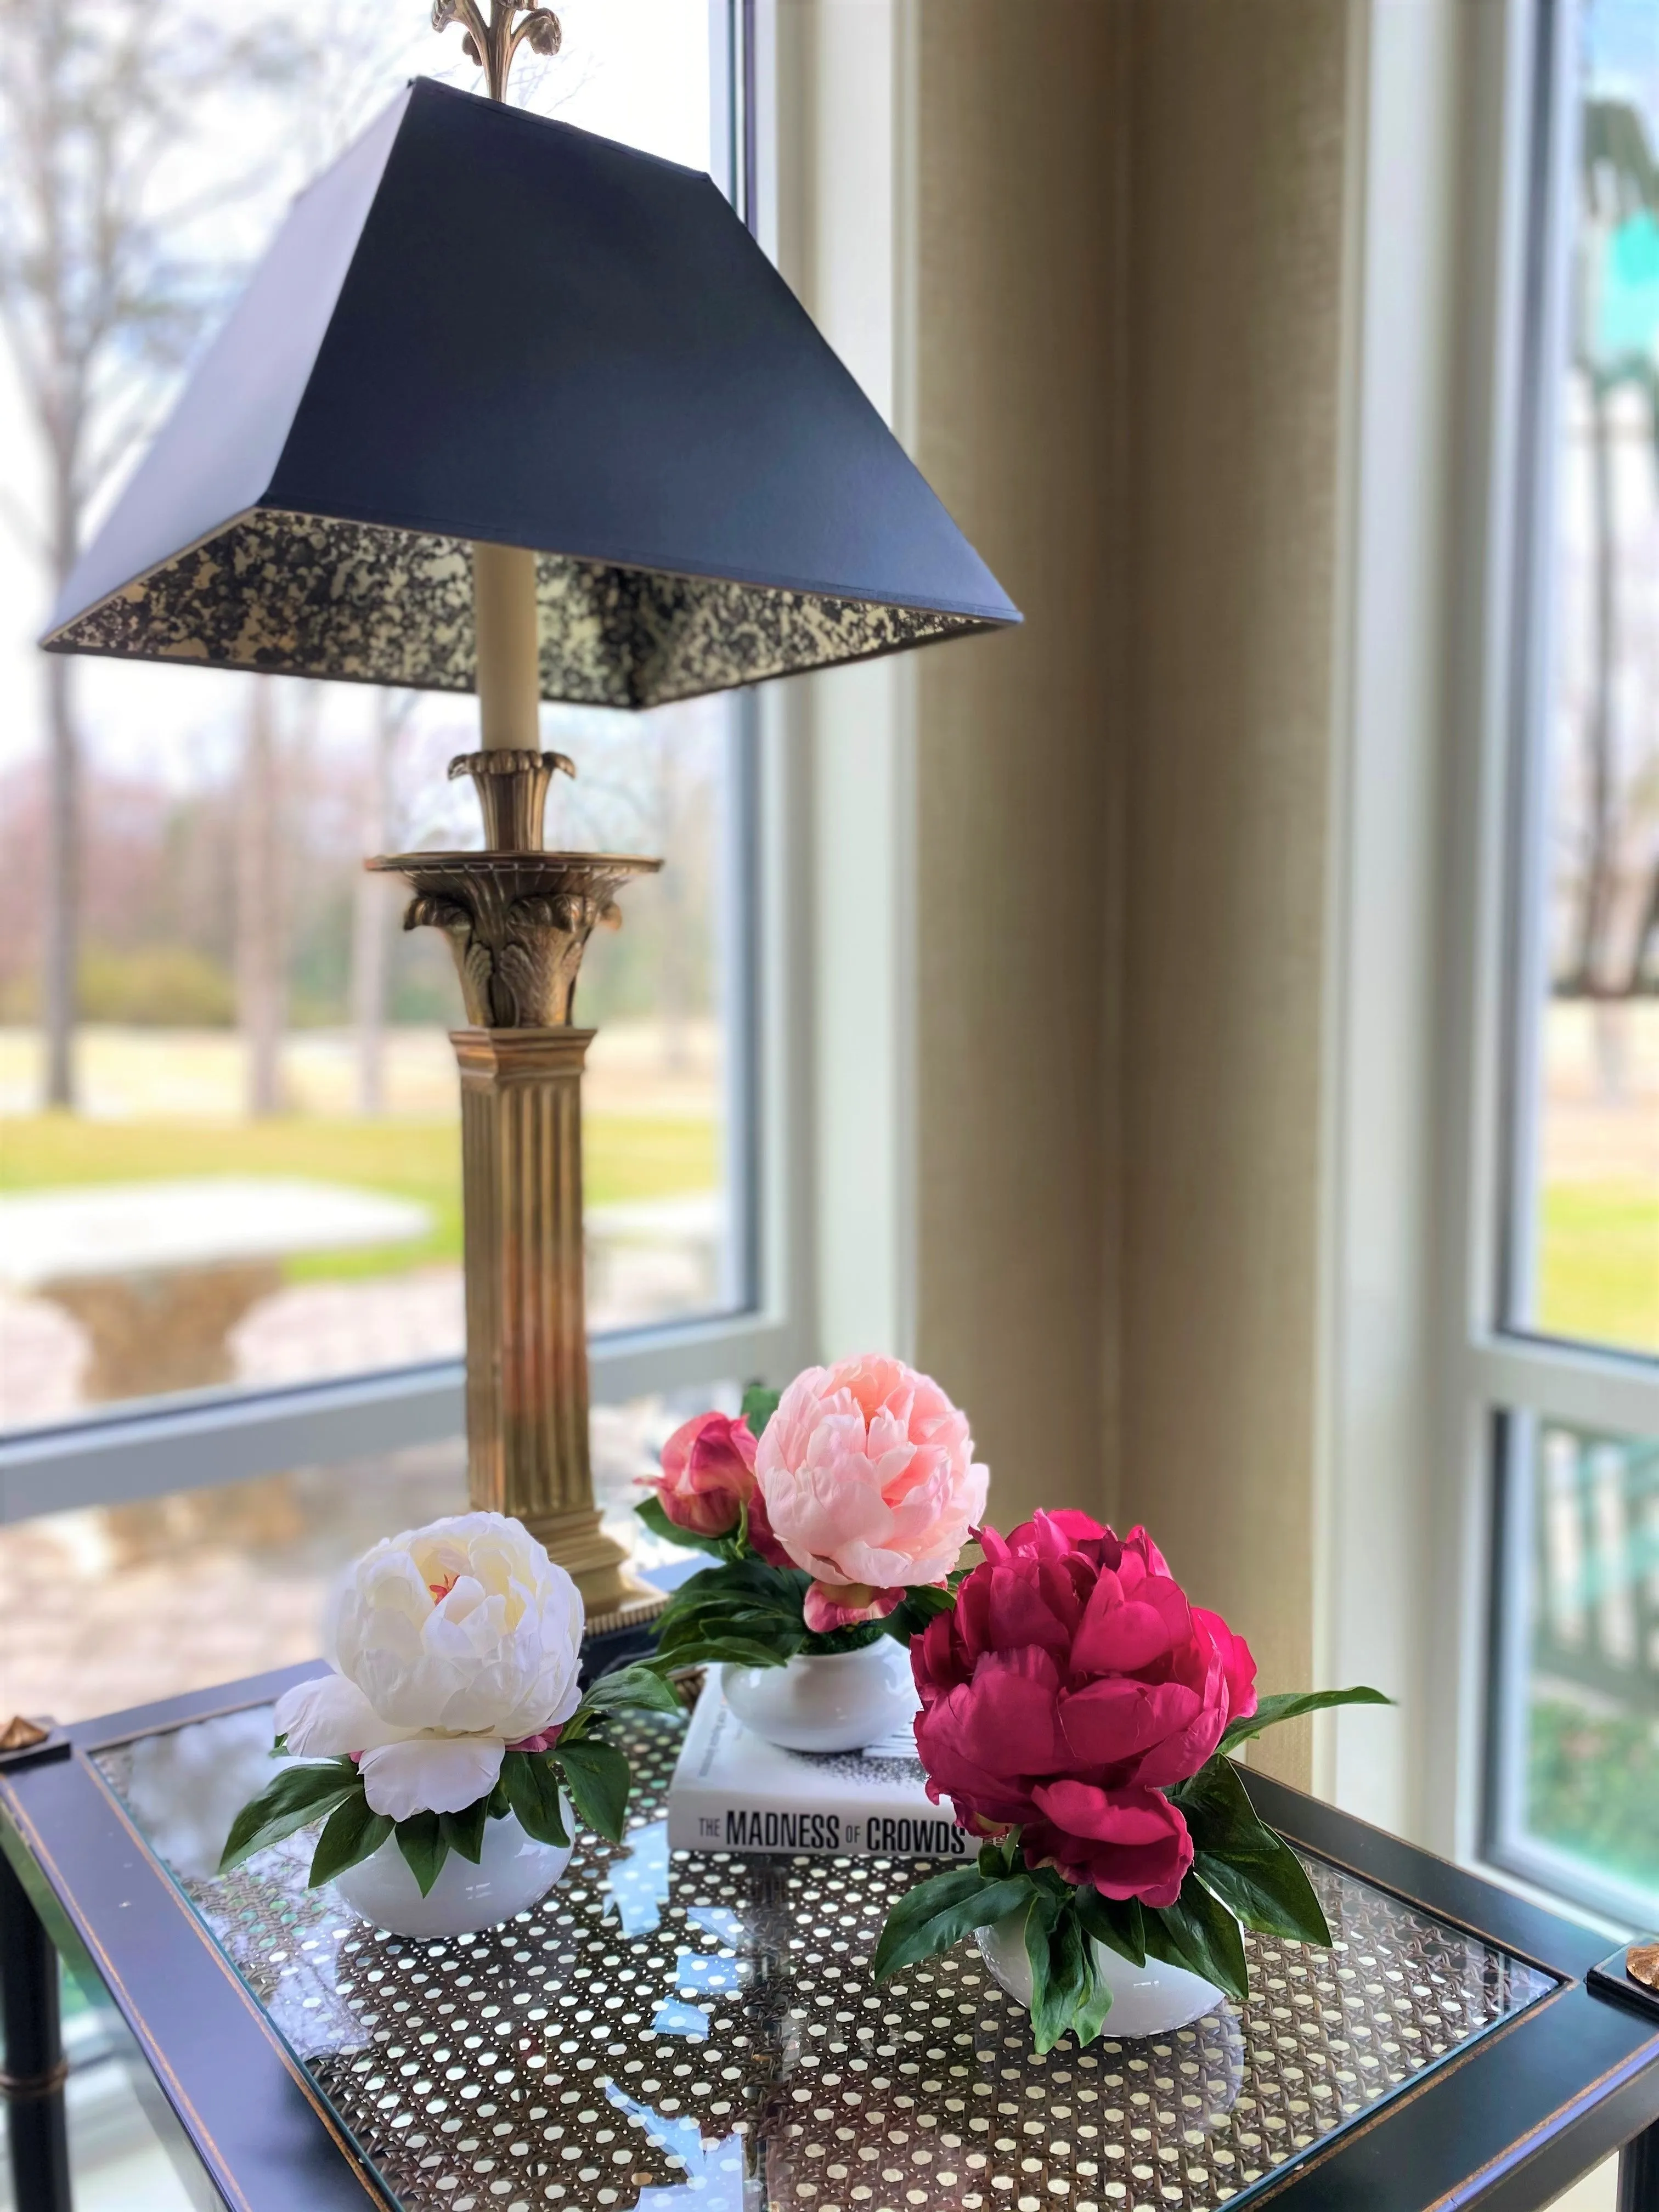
304, 595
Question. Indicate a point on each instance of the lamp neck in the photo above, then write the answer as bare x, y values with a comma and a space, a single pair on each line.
493, 41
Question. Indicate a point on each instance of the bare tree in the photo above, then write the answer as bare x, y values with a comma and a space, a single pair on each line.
375, 903
102, 293
1619, 179
262, 905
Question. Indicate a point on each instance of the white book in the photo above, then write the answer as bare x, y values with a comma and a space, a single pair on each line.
732, 1791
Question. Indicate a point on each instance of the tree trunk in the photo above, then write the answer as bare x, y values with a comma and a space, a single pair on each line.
674, 978
371, 916
1599, 856
62, 922
261, 937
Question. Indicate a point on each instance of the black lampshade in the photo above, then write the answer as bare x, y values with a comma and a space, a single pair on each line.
482, 324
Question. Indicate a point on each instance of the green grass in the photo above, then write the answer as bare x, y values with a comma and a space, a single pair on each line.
624, 1156
1593, 1788
1599, 1263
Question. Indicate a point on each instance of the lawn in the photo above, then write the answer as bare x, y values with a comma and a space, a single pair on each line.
1598, 1263
1599, 1254
1593, 1788
624, 1156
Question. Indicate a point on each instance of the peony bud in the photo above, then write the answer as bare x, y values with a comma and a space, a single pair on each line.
707, 1475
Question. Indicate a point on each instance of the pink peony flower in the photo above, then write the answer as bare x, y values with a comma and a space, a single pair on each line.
869, 1481
1072, 1684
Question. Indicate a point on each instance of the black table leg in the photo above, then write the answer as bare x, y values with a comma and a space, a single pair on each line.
32, 2080
1638, 2173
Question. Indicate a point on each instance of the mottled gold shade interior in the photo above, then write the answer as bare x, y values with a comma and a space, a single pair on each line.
303, 595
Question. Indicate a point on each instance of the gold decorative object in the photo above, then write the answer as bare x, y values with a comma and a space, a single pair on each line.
517, 919
492, 42
1642, 1964
20, 1734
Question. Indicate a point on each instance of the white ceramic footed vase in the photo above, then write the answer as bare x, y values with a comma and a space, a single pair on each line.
514, 1872
837, 1702
1151, 2000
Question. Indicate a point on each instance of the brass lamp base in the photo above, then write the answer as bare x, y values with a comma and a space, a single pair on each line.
517, 919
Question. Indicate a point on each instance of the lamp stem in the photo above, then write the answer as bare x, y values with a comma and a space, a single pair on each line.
509, 647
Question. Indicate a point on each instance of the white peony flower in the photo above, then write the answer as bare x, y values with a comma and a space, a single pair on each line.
450, 1643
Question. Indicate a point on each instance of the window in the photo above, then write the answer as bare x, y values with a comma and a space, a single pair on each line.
1572, 1366
1585, 1261
1578, 1764
229, 1147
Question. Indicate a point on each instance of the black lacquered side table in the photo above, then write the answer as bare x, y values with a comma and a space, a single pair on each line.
697, 2032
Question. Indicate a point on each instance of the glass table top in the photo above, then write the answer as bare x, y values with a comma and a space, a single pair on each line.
684, 2031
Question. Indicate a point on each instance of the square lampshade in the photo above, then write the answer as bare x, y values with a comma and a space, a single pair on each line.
480, 324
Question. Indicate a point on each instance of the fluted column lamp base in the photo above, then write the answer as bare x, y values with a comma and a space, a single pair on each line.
527, 1368
517, 919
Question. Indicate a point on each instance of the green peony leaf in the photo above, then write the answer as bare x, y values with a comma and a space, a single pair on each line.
1240, 1860
464, 1831
1117, 1925
999, 1856
916, 1609
1197, 1933
597, 1776
759, 1404
713, 1650
425, 1847
637, 1688
1291, 1705
351, 1834
532, 1791
1062, 1980
1089, 2014
1271, 1895
940, 1911
857, 1636
295, 1796
744, 1610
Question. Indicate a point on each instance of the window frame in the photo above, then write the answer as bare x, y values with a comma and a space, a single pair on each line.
1501, 1380
195, 1439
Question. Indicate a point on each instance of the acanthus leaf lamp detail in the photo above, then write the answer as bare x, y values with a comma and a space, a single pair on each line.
509, 407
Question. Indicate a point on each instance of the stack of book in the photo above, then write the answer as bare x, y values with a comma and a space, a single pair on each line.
732, 1791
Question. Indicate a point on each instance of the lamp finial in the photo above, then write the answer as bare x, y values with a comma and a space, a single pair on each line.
493, 43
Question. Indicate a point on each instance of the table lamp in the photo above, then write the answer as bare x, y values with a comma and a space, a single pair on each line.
509, 406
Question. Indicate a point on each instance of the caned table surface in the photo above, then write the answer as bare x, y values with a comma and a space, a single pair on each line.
671, 2029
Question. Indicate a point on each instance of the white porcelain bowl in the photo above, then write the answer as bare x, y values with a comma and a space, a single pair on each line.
837, 1703
514, 1872
1150, 1999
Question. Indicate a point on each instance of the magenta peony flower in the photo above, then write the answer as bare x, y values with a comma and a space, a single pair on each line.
1072, 1684
869, 1480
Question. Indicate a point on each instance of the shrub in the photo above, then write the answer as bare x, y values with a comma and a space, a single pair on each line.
156, 986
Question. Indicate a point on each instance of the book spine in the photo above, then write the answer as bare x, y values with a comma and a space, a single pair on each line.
704, 1822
